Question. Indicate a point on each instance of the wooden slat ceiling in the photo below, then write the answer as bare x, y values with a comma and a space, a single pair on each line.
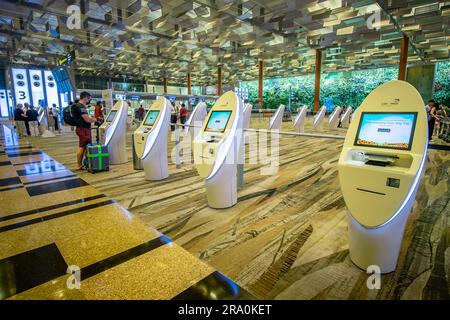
150, 38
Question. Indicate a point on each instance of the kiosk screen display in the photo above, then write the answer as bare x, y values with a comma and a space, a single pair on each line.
391, 130
91, 112
151, 118
111, 115
218, 121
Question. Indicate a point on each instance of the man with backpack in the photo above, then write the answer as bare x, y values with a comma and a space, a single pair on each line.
77, 115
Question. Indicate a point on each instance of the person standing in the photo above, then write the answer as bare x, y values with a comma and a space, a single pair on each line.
141, 111
27, 125
183, 114
434, 119
33, 122
98, 113
83, 130
56, 117
19, 120
174, 116
428, 107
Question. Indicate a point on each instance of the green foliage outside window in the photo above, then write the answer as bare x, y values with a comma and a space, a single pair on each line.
345, 88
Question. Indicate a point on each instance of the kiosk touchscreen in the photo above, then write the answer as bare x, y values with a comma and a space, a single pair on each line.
112, 133
277, 118
216, 150
318, 119
345, 119
333, 120
380, 167
150, 140
300, 119
196, 119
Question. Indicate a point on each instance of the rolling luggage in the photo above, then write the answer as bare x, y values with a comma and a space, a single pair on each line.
97, 157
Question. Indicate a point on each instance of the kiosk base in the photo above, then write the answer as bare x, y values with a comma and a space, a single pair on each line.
221, 190
378, 246
156, 168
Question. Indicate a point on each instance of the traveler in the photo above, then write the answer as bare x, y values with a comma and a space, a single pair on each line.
83, 129
55, 111
19, 120
27, 125
174, 115
435, 117
33, 122
141, 111
98, 113
183, 114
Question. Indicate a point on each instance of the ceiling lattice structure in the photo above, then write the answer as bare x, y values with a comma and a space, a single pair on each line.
150, 38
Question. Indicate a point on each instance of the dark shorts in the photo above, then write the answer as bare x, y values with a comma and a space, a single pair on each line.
84, 135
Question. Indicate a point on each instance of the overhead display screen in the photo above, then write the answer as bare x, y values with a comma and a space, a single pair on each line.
218, 121
151, 117
111, 115
386, 130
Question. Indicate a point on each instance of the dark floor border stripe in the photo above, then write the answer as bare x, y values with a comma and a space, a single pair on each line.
18, 147
31, 162
50, 179
108, 263
10, 181
55, 216
11, 188
5, 163
56, 186
24, 154
439, 147
30, 269
48, 208
222, 287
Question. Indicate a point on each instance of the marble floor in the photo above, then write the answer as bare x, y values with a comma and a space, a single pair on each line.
286, 238
61, 238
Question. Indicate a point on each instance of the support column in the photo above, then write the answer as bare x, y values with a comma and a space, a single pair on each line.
219, 80
260, 83
165, 84
403, 58
317, 80
189, 89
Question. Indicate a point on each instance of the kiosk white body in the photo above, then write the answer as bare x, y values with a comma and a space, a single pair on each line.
318, 119
300, 119
380, 167
247, 115
333, 120
277, 118
216, 150
150, 140
345, 119
113, 132
196, 118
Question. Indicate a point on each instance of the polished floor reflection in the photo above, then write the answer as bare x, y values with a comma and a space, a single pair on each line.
60, 238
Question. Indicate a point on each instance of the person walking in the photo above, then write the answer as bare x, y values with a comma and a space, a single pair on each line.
83, 130
430, 105
435, 117
19, 120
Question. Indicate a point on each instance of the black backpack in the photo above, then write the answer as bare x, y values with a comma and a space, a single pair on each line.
68, 116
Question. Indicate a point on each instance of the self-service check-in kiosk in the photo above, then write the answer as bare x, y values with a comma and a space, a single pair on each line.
216, 150
277, 118
380, 167
345, 118
197, 116
300, 119
150, 140
318, 119
113, 131
333, 120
